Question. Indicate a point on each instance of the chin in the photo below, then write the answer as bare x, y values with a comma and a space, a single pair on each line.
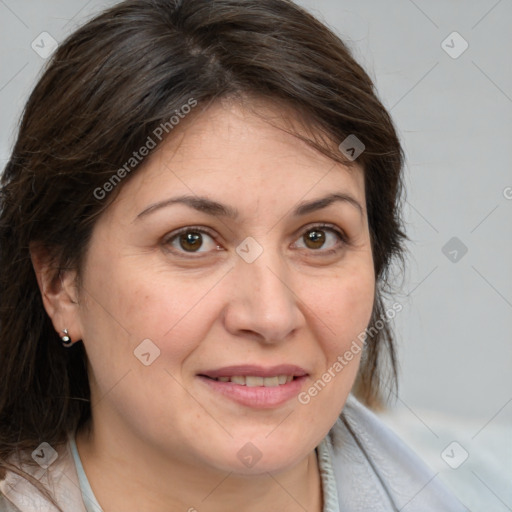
270, 463
260, 454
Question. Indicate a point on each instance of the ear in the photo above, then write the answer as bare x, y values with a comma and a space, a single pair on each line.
59, 292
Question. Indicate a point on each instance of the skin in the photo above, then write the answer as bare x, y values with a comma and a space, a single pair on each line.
160, 439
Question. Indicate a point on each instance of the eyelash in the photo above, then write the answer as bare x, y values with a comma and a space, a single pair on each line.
198, 229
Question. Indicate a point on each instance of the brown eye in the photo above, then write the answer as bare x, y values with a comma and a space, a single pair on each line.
191, 240
322, 239
314, 239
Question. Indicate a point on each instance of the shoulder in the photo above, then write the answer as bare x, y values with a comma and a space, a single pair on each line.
59, 479
374, 469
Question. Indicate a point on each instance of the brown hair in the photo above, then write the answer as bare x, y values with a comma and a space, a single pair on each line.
108, 87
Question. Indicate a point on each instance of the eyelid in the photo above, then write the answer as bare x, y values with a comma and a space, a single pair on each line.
186, 229
324, 225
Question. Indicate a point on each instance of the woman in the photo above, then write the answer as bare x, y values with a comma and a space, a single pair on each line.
196, 223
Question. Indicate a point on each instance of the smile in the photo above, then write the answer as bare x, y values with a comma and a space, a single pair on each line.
253, 381
256, 387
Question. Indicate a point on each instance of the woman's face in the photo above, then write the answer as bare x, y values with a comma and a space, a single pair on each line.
220, 259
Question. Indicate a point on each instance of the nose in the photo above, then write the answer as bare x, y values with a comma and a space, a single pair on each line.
262, 301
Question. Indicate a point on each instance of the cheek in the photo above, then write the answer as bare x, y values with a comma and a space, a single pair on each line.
343, 307
126, 304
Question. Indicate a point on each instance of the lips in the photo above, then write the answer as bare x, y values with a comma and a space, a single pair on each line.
252, 374
256, 386
253, 380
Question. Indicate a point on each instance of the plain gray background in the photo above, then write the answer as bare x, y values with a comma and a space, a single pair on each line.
454, 115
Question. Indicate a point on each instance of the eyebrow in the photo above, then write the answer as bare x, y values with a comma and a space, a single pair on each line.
216, 209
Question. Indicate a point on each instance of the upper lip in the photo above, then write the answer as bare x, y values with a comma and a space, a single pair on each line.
255, 371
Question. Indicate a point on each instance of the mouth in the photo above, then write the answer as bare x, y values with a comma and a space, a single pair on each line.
256, 386
252, 381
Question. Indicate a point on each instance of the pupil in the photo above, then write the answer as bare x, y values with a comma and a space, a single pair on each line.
317, 238
190, 241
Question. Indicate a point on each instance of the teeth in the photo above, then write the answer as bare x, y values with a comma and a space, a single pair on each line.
253, 381
271, 382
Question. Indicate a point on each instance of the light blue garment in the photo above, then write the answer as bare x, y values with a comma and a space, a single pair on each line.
90, 502
330, 494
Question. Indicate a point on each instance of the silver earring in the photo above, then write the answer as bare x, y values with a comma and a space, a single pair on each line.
66, 340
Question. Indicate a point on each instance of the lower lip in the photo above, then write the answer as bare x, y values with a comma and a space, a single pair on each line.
258, 397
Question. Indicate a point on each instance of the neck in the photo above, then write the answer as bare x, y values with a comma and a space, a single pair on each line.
126, 474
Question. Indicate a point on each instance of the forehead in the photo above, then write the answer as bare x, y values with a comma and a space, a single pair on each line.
242, 155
